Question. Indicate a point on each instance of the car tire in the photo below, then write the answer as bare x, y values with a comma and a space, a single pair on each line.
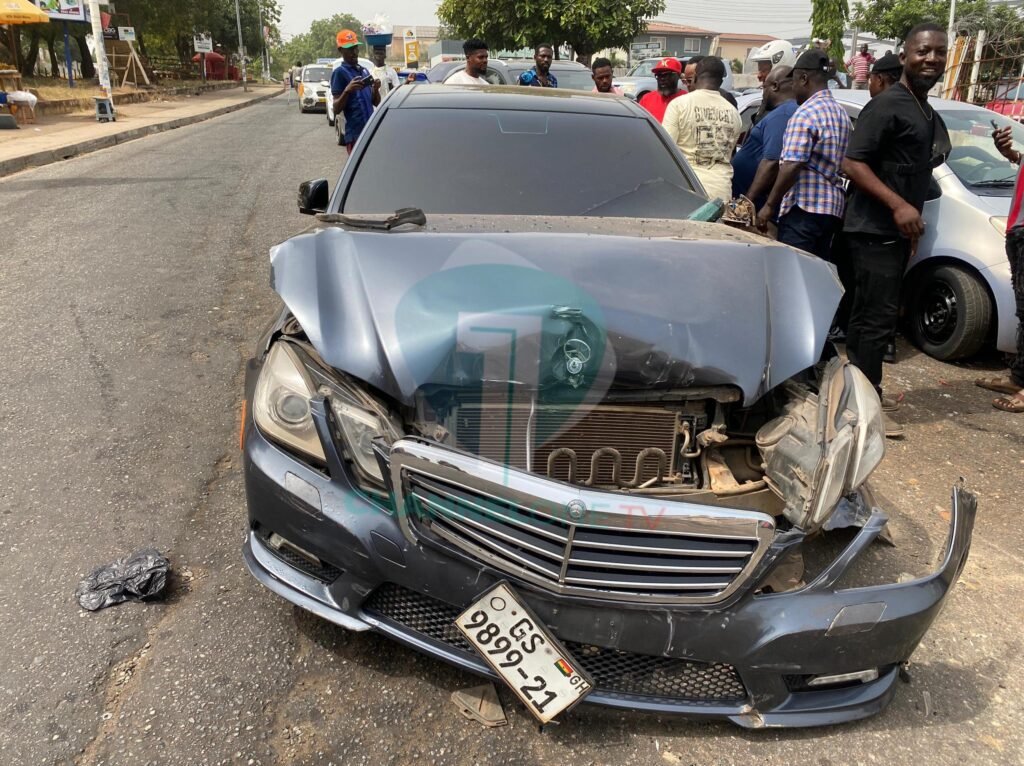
330, 122
950, 313
339, 134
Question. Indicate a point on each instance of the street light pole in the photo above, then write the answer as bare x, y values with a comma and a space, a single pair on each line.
951, 32
241, 45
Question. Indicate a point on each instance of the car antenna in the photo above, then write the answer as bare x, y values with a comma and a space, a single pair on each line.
402, 216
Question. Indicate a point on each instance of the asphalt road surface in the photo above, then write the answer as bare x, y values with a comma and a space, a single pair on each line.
133, 285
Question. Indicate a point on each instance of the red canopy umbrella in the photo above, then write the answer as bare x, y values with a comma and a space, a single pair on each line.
211, 56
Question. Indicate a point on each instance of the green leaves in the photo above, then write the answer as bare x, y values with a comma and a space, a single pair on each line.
828, 20
319, 42
587, 25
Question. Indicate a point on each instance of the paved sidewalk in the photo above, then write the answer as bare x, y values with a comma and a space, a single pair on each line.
64, 136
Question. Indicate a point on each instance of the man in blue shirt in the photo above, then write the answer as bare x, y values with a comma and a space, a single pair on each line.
354, 91
539, 75
756, 164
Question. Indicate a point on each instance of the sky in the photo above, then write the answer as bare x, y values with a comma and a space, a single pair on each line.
784, 17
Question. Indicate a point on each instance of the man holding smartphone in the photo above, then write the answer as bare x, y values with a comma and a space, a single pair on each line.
354, 91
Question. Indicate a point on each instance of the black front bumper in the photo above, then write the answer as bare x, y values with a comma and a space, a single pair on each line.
747, 661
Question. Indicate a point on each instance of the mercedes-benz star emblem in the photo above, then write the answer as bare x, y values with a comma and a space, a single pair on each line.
577, 509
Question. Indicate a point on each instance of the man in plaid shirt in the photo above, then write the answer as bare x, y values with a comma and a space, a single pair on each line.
808, 194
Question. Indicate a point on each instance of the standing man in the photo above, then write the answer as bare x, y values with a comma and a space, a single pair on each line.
885, 73
690, 79
667, 73
354, 91
539, 75
385, 75
601, 71
807, 193
756, 164
898, 140
477, 56
705, 127
859, 66
1013, 387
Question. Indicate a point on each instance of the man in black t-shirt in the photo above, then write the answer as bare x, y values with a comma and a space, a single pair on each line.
897, 141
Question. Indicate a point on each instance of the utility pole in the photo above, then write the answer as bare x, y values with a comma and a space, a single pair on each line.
951, 32
263, 43
101, 48
241, 45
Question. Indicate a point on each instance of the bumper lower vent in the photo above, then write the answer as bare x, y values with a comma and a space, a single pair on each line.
616, 673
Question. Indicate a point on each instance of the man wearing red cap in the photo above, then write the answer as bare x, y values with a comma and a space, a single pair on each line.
354, 91
667, 72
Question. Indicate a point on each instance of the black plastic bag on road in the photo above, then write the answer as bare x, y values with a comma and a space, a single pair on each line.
137, 577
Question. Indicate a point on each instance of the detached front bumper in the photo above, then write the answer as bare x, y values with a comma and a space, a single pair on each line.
749, 660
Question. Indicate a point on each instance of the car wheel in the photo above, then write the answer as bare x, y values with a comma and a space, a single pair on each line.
950, 313
330, 120
339, 132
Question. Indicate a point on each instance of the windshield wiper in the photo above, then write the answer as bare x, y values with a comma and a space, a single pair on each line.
405, 215
998, 182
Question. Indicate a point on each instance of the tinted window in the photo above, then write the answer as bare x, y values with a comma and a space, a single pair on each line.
316, 74
568, 79
521, 163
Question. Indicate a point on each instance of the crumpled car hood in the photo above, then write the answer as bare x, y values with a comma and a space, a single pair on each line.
706, 307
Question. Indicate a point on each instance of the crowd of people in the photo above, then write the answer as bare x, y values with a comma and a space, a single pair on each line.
851, 195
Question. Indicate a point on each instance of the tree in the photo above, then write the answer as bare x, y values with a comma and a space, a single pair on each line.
892, 19
319, 42
586, 25
828, 21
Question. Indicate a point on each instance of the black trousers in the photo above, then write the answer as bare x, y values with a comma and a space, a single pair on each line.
811, 232
1015, 254
877, 265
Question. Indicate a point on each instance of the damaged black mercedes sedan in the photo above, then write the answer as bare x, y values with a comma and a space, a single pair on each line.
538, 424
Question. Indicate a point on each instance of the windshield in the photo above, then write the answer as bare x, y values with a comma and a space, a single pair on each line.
974, 157
568, 79
316, 73
498, 162
643, 69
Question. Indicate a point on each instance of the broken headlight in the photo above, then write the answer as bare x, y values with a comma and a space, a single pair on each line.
280, 403
281, 407
824, 445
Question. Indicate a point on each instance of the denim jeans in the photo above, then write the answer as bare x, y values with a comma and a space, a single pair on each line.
812, 232
1015, 254
877, 265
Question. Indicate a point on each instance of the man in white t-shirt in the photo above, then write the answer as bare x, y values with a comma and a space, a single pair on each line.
476, 65
380, 71
705, 127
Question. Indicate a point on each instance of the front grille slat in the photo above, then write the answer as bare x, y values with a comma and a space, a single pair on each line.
615, 673
659, 565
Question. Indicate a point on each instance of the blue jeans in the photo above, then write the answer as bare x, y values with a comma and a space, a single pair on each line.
811, 232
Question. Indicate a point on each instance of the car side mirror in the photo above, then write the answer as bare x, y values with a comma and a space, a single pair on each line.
313, 196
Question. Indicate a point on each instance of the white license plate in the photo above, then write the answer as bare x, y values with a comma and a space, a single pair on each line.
520, 650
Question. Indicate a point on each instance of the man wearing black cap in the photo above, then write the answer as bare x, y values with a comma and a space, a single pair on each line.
807, 192
898, 140
885, 73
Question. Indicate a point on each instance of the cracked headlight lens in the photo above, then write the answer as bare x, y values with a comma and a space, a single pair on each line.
280, 403
360, 428
869, 429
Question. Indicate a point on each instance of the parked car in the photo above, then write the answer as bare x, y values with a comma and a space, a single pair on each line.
640, 80
958, 296
314, 87
367, 65
571, 75
1009, 100
558, 434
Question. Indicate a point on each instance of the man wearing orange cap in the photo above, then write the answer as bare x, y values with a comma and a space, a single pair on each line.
666, 72
354, 91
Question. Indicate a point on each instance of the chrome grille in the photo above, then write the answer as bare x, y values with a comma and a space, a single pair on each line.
622, 548
502, 432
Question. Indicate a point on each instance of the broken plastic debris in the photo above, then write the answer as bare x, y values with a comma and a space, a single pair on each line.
481, 704
137, 577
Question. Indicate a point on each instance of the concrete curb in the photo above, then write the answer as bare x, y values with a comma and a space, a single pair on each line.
49, 156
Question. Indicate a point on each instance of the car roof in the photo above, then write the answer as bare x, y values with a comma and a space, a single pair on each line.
435, 96
859, 98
